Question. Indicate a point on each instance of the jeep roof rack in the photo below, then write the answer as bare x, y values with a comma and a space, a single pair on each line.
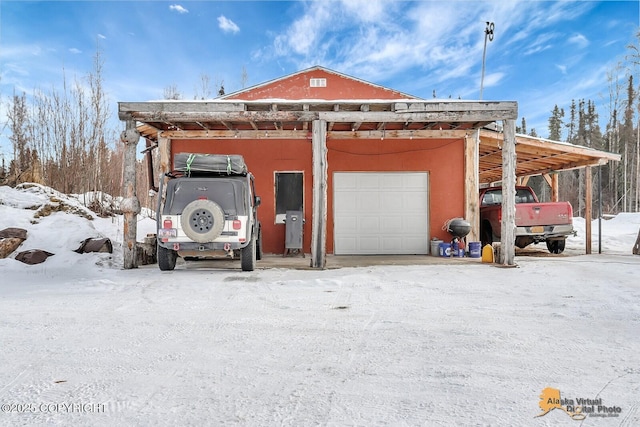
218, 164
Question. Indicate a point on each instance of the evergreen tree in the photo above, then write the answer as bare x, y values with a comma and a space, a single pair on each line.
555, 123
572, 125
523, 128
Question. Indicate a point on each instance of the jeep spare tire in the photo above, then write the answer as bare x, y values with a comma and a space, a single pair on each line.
202, 221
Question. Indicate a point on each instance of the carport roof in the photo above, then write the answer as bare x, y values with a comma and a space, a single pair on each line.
363, 119
535, 156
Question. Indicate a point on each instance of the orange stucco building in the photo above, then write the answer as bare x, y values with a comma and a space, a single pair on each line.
373, 170
439, 161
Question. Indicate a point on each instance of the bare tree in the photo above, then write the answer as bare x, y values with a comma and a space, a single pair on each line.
203, 91
614, 106
634, 64
171, 92
68, 131
17, 115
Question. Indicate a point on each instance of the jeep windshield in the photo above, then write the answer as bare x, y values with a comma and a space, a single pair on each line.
226, 192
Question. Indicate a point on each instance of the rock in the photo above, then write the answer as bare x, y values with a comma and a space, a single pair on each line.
33, 256
95, 245
18, 233
9, 245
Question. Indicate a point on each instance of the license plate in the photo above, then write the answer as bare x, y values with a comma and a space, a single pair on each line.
537, 229
165, 233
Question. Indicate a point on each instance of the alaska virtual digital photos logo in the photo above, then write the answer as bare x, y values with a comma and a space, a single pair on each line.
578, 409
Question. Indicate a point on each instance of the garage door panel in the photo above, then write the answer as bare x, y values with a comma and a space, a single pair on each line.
413, 222
391, 224
349, 244
369, 225
414, 181
349, 203
368, 181
417, 243
381, 213
346, 182
347, 224
367, 242
392, 244
368, 201
392, 182
392, 201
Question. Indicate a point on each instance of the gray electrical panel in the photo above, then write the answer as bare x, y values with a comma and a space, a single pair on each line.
293, 232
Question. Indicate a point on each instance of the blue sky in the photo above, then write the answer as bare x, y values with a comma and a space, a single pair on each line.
543, 53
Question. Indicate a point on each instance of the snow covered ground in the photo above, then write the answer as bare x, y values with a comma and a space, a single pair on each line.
84, 342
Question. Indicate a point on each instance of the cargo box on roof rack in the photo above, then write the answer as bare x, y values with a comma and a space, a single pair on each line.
229, 164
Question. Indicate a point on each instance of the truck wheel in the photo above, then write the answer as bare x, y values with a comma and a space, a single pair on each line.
202, 221
248, 256
556, 246
166, 258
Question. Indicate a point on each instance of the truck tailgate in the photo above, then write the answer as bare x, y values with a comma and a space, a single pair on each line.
532, 214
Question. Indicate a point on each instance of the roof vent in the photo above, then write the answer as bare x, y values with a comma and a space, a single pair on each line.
318, 82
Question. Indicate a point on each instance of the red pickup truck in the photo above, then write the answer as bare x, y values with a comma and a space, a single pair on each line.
535, 222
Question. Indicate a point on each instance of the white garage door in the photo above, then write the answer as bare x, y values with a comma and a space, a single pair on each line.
380, 213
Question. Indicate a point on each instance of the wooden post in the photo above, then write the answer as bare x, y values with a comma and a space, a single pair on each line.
552, 180
523, 180
471, 186
554, 187
319, 216
508, 226
164, 147
130, 204
587, 210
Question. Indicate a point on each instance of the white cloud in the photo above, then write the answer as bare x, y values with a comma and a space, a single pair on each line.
491, 80
562, 68
579, 40
75, 50
440, 43
102, 36
178, 8
302, 37
8, 53
366, 10
541, 43
227, 25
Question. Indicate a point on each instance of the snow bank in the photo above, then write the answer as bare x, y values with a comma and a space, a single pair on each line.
86, 343
618, 234
58, 224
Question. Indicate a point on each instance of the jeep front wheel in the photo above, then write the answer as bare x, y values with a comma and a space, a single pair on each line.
202, 221
248, 256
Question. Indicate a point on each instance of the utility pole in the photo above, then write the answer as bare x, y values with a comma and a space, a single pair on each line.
488, 34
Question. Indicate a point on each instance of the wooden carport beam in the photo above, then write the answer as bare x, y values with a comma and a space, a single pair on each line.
328, 116
508, 226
